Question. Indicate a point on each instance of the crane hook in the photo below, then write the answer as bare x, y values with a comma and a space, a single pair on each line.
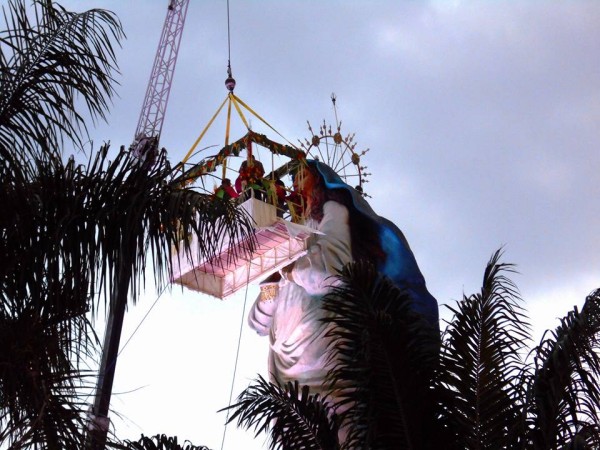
230, 81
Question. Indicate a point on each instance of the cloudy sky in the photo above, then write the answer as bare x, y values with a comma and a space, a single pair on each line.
482, 119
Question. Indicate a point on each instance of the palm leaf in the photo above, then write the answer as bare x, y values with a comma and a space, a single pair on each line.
41, 387
158, 442
565, 389
50, 59
73, 224
481, 363
385, 357
72, 230
296, 420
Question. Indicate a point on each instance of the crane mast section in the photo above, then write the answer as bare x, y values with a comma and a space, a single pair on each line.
159, 86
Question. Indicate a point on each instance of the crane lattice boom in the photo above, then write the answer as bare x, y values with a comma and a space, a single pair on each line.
147, 133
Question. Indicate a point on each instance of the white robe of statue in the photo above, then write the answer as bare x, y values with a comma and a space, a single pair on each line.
298, 347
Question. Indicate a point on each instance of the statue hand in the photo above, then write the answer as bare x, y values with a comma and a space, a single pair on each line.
286, 272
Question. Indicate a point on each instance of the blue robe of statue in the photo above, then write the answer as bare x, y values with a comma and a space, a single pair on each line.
400, 264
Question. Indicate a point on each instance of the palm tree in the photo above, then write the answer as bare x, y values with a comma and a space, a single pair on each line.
563, 391
500, 398
482, 363
388, 354
158, 442
294, 417
71, 231
51, 57
479, 389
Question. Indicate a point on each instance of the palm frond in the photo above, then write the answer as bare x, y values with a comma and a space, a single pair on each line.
296, 419
71, 231
565, 389
385, 356
157, 442
41, 385
52, 58
482, 364
78, 225
41, 381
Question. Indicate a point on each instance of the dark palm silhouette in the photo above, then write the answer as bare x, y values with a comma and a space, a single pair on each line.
158, 442
479, 387
68, 231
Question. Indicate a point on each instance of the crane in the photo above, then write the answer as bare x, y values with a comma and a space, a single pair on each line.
152, 115
145, 147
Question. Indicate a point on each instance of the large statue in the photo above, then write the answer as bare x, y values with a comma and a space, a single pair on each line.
348, 230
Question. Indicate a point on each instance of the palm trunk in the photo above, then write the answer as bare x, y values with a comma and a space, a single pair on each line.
99, 422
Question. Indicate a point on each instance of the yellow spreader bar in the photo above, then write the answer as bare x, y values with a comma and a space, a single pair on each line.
255, 114
184, 160
231, 98
227, 128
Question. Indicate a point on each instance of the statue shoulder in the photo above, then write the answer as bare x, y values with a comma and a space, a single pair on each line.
331, 207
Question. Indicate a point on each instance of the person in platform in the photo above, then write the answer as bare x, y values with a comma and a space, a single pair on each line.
250, 177
226, 190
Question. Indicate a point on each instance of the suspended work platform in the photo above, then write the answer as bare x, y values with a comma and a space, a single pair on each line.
277, 244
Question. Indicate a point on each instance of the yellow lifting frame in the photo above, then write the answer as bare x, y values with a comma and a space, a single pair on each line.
237, 102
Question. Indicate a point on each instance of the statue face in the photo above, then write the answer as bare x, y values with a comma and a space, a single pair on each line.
304, 182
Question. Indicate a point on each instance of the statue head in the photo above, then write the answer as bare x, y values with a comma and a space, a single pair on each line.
374, 238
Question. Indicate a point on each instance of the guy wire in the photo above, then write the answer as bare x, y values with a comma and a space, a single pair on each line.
237, 356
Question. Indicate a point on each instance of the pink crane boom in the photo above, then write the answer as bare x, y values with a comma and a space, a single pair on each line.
149, 127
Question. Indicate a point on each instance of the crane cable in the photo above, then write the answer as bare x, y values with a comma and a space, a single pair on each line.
114, 361
227, 83
237, 102
239, 343
228, 40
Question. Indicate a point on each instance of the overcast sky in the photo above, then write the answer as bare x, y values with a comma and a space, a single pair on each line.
483, 124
